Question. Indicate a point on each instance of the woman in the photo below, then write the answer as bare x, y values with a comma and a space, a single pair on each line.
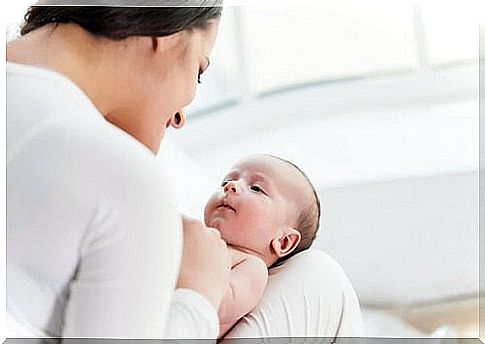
93, 241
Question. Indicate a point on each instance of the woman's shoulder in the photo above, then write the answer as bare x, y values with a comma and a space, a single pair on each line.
57, 128
45, 108
52, 125
39, 101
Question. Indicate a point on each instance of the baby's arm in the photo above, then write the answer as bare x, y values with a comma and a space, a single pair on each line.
245, 288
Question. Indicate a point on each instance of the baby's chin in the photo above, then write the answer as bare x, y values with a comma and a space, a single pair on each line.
214, 222
222, 226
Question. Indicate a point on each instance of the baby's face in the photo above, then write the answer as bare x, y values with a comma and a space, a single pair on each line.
257, 198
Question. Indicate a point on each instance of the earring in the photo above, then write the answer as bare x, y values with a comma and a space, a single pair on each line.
177, 118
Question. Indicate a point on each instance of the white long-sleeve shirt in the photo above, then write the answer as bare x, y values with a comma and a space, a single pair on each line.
93, 240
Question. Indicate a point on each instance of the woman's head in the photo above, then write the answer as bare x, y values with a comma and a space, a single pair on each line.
121, 22
159, 53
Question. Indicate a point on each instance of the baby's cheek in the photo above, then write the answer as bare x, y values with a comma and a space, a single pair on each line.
260, 213
267, 220
209, 208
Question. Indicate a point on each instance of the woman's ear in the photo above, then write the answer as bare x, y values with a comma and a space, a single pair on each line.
285, 244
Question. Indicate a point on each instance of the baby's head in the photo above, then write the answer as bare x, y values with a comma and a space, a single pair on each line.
265, 206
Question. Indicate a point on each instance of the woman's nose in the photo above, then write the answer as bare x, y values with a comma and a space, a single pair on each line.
232, 187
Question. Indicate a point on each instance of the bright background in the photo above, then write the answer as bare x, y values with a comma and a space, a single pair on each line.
378, 103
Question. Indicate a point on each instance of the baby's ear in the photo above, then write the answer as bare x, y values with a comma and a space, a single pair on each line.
286, 243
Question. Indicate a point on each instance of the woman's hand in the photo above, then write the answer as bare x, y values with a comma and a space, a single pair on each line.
206, 263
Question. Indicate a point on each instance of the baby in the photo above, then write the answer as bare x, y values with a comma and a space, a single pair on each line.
266, 210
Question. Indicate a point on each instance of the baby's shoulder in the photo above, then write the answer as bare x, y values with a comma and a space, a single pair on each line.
256, 268
239, 256
256, 262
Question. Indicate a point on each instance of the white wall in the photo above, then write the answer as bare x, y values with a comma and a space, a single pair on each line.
406, 241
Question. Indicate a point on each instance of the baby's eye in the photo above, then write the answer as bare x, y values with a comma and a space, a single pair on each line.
198, 77
224, 182
256, 188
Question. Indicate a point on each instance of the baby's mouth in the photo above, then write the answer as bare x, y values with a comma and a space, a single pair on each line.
226, 206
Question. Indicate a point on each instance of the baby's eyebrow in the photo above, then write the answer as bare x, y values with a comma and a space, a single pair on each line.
262, 177
232, 174
259, 175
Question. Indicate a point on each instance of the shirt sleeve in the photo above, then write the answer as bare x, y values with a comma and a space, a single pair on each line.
191, 316
130, 253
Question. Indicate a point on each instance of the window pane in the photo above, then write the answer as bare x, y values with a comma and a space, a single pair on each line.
451, 31
14, 14
219, 83
296, 44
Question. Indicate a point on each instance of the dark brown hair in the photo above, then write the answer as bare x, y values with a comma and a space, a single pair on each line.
308, 221
117, 23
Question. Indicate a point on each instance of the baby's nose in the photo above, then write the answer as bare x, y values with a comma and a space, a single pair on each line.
232, 187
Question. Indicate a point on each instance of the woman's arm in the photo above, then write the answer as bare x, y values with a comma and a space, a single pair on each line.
130, 256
